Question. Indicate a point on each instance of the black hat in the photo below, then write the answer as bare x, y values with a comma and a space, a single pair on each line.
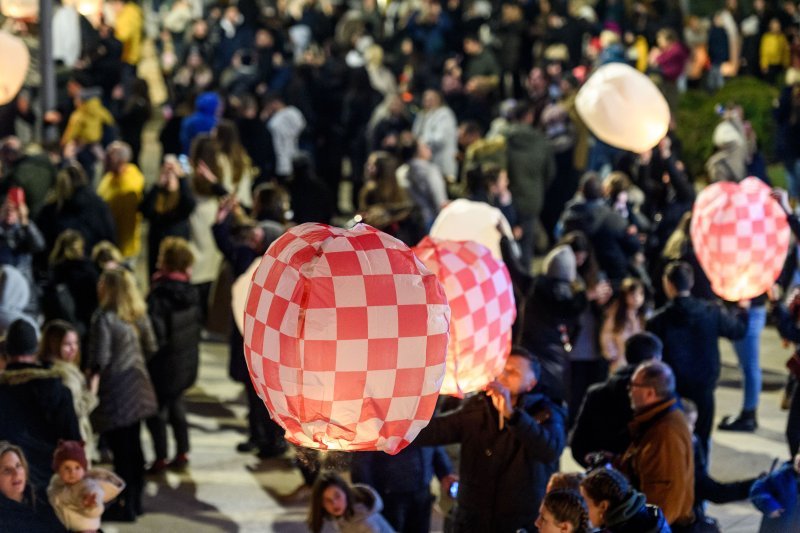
21, 338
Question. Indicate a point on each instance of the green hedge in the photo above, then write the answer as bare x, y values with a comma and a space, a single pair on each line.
697, 118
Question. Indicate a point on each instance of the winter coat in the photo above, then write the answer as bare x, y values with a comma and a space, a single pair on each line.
635, 516
67, 500
531, 167
31, 515
36, 175
660, 460
175, 311
15, 294
117, 351
83, 400
18, 243
366, 518
690, 329
778, 490
79, 278
602, 421
85, 212
168, 213
410, 471
203, 120
286, 126
37, 412
503, 473
85, 125
129, 29
438, 129
123, 193
607, 230
207, 258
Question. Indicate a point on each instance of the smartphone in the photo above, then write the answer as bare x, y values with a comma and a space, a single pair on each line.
184, 162
16, 196
454, 489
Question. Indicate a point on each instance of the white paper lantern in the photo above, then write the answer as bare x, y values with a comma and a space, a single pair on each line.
20, 9
14, 60
623, 108
465, 220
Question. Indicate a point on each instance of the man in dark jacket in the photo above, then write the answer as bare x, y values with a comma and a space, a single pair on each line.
614, 240
37, 408
690, 329
531, 168
510, 445
602, 422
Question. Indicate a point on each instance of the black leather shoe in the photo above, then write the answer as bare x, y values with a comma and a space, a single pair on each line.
743, 422
247, 446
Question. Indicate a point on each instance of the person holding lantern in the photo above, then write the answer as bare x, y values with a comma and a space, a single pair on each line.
511, 439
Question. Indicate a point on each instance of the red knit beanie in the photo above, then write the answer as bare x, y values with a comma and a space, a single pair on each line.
69, 450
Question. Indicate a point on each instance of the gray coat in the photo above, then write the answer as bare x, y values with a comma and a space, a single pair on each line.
117, 351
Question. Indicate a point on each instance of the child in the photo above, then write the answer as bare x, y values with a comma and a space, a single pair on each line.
775, 52
624, 318
338, 506
76, 493
175, 311
563, 511
776, 496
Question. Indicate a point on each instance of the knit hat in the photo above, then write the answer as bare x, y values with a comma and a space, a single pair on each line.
70, 450
21, 338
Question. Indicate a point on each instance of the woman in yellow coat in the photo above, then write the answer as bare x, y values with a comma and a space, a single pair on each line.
122, 188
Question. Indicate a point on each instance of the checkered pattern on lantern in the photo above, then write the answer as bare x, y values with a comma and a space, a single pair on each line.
740, 236
481, 298
345, 335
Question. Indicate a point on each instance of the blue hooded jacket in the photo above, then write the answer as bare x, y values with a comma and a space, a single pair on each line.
203, 120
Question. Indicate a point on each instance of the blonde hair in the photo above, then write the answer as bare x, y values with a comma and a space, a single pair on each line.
119, 294
105, 251
69, 245
175, 255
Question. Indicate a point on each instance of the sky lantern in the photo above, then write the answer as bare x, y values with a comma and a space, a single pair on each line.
14, 60
623, 108
740, 236
463, 220
345, 336
481, 298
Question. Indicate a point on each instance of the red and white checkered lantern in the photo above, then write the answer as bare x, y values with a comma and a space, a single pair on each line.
481, 298
740, 236
345, 335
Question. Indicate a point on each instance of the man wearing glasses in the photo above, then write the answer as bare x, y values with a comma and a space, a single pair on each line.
659, 460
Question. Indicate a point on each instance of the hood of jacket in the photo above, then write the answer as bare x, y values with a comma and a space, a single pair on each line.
15, 293
180, 293
21, 373
207, 103
561, 264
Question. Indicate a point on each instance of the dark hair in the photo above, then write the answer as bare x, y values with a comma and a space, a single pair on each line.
659, 376
52, 337
578, 241
568, 506
641, 347
227, 137
533, 361
271, 200
317, 513
591, 187
606, 485
680, 275
628, 286
565, 481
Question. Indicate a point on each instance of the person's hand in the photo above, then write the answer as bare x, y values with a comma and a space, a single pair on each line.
743, 304
776, 513
782, 197
94, 384
501, 398
204, 172
517, 231
51, 117
24, 213
118, 92
446, 482
601, 293
774, 293
226, 205
70, 150
90, 500
598, 458
665, 147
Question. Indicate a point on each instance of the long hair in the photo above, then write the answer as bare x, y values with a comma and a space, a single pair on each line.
205, 149
568, 506
68, 180
120, 295
317, 513
382, 186
52, 337
620, 306
69, 246
227, 136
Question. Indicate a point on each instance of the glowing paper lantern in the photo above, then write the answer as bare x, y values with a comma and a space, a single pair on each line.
623, 108
239, 291
14, 59
20, 9
464, 220
481, 298
740, 236
345, 335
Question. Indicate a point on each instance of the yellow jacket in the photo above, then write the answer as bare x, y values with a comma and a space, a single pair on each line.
774, 50
123, 193
128, 29
85, 125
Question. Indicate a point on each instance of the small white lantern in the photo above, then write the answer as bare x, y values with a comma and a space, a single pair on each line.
623, 108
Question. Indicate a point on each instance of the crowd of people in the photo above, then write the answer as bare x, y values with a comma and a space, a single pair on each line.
280, 113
